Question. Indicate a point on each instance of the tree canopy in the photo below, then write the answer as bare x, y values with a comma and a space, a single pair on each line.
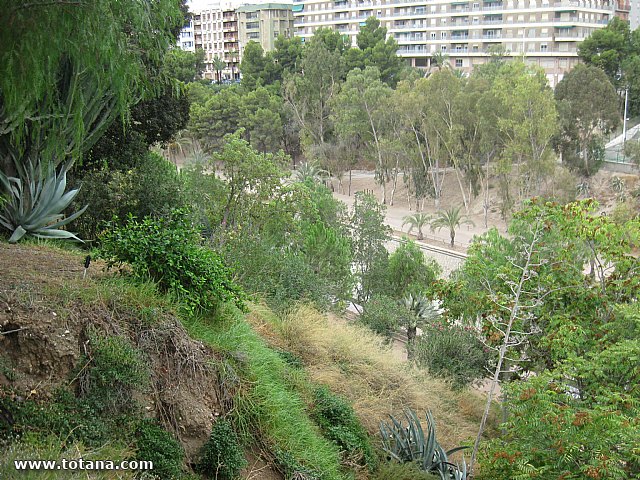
72, 67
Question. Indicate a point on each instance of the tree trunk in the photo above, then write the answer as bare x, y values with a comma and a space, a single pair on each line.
452, 233
411, 339
349, 182
524, 276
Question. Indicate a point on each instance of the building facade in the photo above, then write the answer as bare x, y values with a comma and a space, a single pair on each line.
544, 32
186, 41
263, 23
215, 31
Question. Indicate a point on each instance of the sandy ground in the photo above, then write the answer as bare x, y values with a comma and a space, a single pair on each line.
600, 187
362, 181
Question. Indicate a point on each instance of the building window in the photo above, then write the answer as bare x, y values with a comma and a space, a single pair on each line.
251, 25
433, 35
443, 35
275, 34
543, 47
443, 48
458, 62
253, 35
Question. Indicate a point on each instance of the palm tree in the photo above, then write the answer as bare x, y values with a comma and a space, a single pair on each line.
310, 171
421, 309
417, 221
440, 60
451, 219
218, 65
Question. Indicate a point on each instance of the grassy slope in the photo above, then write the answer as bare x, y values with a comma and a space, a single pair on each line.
353, 362
270, 398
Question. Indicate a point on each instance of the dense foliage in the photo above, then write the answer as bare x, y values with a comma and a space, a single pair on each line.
222, 457
167, 250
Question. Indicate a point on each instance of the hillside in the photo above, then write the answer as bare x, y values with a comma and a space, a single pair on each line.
79, 357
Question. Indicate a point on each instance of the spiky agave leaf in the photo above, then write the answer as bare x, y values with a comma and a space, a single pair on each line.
35, 203
411, 443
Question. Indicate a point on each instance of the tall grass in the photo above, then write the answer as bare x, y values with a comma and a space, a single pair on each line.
268, 404
356, 364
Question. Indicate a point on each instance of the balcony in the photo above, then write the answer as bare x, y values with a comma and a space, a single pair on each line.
460, 36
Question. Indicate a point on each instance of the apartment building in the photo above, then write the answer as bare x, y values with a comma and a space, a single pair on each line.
544, 32
263, 23
186, 41
215, 30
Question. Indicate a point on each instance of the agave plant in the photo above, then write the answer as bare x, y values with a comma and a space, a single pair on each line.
409, 443
34, 203
583, 188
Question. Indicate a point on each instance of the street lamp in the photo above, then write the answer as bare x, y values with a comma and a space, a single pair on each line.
624, 120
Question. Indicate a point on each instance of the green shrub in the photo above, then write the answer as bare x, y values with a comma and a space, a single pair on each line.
222, 456
114, 370
383, 315
401, 471
453, 352
167, 251
339, 424
158, 446
410, 271
64, 416
282, 276
153, 187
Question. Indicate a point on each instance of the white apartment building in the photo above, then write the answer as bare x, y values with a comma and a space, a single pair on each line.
215, 30
544, 32
187, 41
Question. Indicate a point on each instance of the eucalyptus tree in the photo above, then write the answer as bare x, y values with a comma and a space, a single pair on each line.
527, 127
588, 107
310, 94
68, 69
361, 111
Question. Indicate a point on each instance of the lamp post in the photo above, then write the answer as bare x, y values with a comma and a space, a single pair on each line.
624, 120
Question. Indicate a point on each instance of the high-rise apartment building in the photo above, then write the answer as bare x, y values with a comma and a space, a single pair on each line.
186, 41
216, 32
544, 32
263, 23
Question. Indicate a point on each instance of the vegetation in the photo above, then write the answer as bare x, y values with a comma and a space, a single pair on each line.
166, 250
222, 455
410, 444
551, 307
452, 352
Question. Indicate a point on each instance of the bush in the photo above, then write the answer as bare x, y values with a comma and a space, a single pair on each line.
401, 471
152, 187
383, 315
283, 276
115, 370
339, 424
222, 457
409, 270
453, 352
167, 251
158, 446
64, 416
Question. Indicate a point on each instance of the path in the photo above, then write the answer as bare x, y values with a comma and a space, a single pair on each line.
620, 138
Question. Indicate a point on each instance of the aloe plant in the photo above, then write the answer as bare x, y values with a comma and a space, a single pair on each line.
34, 202
410, 444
